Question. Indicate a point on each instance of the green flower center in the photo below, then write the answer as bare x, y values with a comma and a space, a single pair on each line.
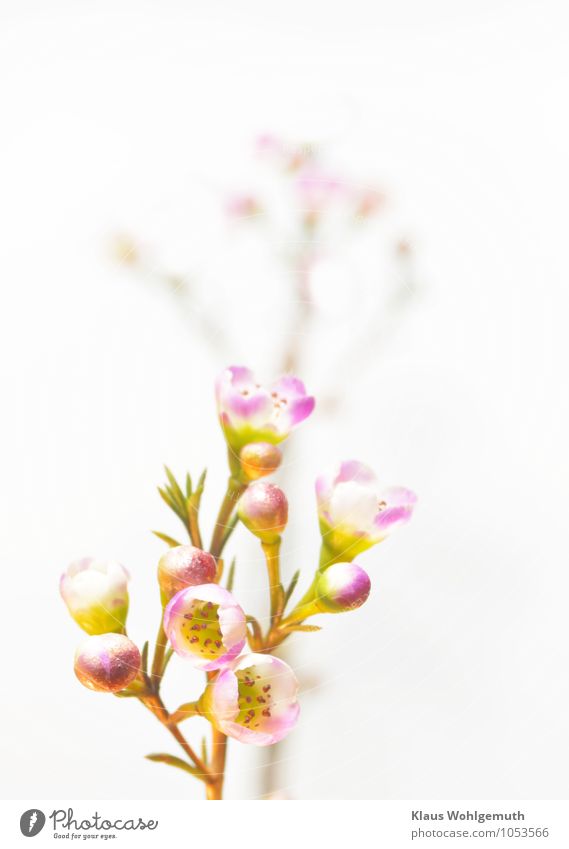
255, 699
201, 631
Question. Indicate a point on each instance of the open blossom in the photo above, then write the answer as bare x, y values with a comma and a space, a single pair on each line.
184, 566
249, 412
253, 700
206, 626
355, 513
107, 662
96, 595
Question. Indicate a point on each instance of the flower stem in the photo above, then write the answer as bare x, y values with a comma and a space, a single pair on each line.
220, 536
214, 785
158, 659
276, 591
155, 705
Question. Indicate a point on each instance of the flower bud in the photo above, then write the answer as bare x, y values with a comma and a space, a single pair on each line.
96, 595
259, 459
184, 566
107, 662
263, 509
343, 586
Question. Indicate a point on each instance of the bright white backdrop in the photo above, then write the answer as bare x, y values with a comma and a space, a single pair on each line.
452, 681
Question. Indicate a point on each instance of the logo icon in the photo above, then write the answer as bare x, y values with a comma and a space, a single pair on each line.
32, 822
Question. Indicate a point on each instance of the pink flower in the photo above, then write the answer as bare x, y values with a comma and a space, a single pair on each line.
354, 513
317, 189
205, 625
243, 206
253, 700
249, 412
107, 662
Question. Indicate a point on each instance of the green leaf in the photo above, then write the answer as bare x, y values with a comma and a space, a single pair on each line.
167, 658
231, 576
172, 760
188, 485
167, 539
306, 628
291, 586
177, 492
144, 657
166, 495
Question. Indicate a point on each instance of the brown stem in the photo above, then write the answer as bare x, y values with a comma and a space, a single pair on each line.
155, 705
214, 785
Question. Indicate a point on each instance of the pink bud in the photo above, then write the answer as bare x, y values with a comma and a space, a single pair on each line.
184, 566
263, 509
259, 459
107, 662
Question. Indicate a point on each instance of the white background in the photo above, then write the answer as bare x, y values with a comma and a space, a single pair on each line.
452, 681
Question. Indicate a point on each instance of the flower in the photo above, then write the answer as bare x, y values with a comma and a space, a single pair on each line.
241, 206
259, 459
107, 662
184, 566
96, 595
354, 514
205, 625
249, 412
343, 586
263, 509
253, 700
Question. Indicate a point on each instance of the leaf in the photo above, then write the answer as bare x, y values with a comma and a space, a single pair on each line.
177, 492
230, 527
172, 760
231, 576
291, 586
204, 750
306, 628
167, 539
188, 485
166, 495
167, 658
144, 657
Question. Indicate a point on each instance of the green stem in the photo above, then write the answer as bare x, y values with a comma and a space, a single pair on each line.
159, 654
305, 607
276, 591
185, 711
220, 536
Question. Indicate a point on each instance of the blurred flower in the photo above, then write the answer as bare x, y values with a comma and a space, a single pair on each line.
107, 662
96, 595
354, 514
205, 625
342, 587
243, 206
263, 509
184, 566
259, 459
249, 412
253, 700
368, 202
317, 189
